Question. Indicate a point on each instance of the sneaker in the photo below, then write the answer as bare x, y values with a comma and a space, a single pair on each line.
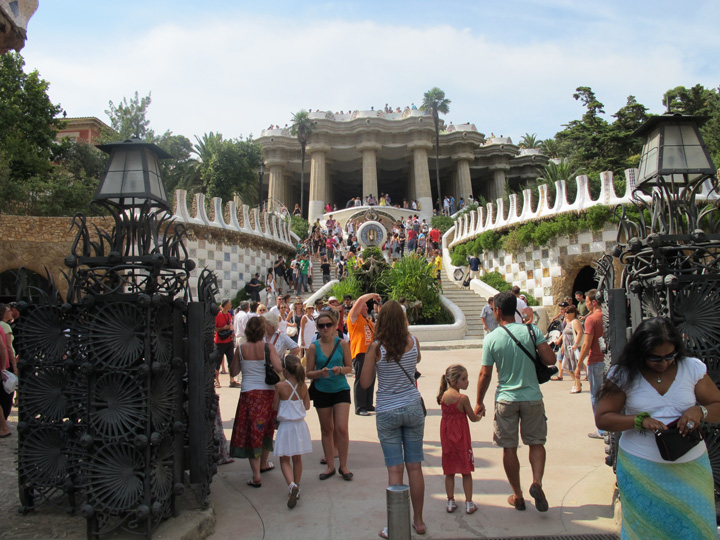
596, 435
363, 412
470, 507
451, 506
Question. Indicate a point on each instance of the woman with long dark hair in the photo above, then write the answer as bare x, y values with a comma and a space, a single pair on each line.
394, 356
655, 385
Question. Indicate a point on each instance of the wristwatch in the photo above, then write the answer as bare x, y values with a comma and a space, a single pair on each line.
704, 411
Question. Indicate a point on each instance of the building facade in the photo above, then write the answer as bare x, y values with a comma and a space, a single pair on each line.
366, 153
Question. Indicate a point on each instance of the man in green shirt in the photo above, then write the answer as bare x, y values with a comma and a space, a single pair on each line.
518, 399
304, 265
581, 305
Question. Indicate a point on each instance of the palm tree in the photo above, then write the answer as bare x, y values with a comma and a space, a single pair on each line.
550, 148
435, 102
204, 150
530, 141
302, 127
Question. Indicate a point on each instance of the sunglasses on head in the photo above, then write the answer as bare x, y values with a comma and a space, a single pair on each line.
669, 358
325, 325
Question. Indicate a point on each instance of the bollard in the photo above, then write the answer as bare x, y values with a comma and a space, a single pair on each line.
398, 512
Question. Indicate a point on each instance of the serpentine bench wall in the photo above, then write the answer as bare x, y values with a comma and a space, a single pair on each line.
547, 272
234, 240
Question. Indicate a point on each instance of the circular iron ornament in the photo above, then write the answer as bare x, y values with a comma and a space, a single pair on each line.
115, 333
45, 395
43, 335
162, 401
161, 470
654, 303
118, 405
115, 478
42, 458
371, 233
696, 316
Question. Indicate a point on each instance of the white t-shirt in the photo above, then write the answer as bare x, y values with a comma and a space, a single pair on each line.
521, 305
641, 396
239, 321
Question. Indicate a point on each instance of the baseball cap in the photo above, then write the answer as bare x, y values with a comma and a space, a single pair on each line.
564, 304
332, 299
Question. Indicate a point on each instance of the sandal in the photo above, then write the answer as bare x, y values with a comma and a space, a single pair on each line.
556, 378
576, 390
451, 506
217, 384
418, 530
293, 495
270, 467
517, 502
383, 533
254, 484
470, 507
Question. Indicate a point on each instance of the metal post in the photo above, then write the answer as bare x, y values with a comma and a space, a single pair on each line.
398, 512
196, 394
617, 315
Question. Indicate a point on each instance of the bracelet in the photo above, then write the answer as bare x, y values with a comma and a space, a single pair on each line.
639, 420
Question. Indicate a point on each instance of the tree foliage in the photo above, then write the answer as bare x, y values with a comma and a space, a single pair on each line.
302, 127
700, 101
434, 100
129, 118
233, 169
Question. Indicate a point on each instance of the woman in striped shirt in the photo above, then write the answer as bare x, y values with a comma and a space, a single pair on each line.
393, 357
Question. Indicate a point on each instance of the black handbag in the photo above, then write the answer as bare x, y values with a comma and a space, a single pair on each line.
271, 376
224, 334
673, 445
312, 390
542, 371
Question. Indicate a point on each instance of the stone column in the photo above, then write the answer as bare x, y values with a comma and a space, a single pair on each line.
316, 200
369, 183
464, 182
497, 188
275, 185
421, 173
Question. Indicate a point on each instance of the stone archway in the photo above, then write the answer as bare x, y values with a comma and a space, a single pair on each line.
584, 280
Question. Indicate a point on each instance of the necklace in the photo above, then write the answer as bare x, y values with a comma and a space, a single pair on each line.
660, 375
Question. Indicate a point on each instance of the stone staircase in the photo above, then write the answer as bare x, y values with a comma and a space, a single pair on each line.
470, 303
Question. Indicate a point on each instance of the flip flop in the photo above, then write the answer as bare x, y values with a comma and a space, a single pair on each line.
270, 467
419, 531
517, 502
254, 484
576, 390
383, 533
556, 378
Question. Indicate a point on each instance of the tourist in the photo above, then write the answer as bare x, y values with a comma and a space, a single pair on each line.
473, 267
591, 353
279, 267
361, 330
655, 385
581, 305
270, 287
283, 343
240, 320
254, 425
328, 362
434, 236
253, 287
296, 210
487, 316
394, 356
293, 438
572, 339
223, 337
523, 314
457, 452
7, 363
518, 399
302, 270
325, 267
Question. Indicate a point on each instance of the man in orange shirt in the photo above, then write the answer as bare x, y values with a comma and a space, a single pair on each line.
591, 352
362, 334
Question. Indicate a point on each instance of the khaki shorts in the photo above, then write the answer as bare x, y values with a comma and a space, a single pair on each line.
529, 415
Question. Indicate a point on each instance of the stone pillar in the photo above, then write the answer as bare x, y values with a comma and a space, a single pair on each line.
421, 173
497, 188
464, 182
316, 200
369, 170
275, 186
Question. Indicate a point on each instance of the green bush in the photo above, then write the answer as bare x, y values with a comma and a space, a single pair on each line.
372, 251
299, 226
350, 285
496, 281
490, 241
443, 223
413, 278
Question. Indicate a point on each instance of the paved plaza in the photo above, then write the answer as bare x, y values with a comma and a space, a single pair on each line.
578, 484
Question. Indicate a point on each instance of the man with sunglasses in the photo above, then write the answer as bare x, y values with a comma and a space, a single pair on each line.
591, 351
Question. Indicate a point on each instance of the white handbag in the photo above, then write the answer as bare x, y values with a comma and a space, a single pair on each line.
11, 382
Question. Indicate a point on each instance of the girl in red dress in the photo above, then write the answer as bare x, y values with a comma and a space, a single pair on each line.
457, 453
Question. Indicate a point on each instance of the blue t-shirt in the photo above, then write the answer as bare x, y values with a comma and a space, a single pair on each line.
517, 380
474, 264
333, 383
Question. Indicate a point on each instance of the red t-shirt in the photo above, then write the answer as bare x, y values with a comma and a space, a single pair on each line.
594, 326
434, 235
411, 235
222, 319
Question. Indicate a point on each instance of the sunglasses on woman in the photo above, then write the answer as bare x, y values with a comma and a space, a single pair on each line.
669, 358
325, 325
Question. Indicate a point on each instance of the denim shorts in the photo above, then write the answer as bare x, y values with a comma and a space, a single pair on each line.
401, 434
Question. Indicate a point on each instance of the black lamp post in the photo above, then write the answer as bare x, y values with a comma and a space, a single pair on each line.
674, 152
261, 173
132, 177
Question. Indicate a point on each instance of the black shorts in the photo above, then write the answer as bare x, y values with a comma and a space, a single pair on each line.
324, 400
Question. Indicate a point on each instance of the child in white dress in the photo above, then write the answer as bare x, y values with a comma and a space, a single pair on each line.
293, 435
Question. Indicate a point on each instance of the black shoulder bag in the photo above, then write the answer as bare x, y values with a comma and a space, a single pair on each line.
312, 390
542, 371
271, 376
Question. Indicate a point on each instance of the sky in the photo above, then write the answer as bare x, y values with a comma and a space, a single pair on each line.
235, 67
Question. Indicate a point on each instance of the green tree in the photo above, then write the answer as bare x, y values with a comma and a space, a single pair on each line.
302, 127
530, 141
699, 101
28, 127
435, 102
233, 169
129, 118
550, 148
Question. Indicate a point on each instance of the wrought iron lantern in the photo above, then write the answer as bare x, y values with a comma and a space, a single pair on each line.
132, 178
674, 152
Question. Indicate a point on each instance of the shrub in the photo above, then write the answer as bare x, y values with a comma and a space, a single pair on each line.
443, 223
490, 241
413, 278
299, 226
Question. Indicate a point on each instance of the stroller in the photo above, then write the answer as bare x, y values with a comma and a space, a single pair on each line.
553, 333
